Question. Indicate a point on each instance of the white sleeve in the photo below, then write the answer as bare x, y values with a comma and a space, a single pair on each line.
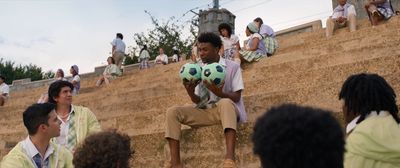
6, 89
235, 39
77, 78
351, 10
237, 81
335, 15
114, 42
166, 59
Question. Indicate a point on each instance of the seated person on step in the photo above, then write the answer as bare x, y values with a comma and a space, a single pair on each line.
254, 49
111, 72
77, 122
44, 98
379, 10
4, 90
107, 149
343, 15
76, 79
371, 114
213, 104
268, 34
291, 136
37, 150
230, 43
162, 58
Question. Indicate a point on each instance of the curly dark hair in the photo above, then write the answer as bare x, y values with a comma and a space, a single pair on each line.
364, 93
55, 89
107, 149
209, 37
290, 136
225, 26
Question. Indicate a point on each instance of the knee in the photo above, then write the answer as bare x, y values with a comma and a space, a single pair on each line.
226, 102
172, 112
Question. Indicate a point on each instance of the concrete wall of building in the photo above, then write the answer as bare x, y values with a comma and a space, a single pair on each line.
210, 19
359, 4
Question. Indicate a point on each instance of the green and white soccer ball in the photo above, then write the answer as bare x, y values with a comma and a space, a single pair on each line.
190, 71
214, 73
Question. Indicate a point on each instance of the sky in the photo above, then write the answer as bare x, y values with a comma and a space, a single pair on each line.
59, 33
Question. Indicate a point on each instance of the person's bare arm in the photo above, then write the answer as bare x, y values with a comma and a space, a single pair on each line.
254, 45
237, 45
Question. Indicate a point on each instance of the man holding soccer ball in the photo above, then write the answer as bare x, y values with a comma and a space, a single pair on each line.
222, 104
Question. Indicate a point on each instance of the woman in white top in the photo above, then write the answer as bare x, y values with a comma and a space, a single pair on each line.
254, 49
144, 57
230, 48
76, 80
111, 72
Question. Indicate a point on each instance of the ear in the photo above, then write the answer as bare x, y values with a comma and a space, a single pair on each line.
42, 128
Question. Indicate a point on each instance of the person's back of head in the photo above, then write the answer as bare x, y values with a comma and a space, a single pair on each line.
259, 20
35, 115
291, 136
119, 35
107, 149
364, 93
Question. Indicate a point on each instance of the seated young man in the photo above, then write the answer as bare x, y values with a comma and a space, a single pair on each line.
162, 58
77, 122
215, 104
372, 119
343, 15
36, 150
113, 150
291, 136
4, 90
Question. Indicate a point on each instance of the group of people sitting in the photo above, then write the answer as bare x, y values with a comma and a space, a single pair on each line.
261, 43
162, 58
345, 14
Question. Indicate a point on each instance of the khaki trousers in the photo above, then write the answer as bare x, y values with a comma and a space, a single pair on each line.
118, 58
224, 112
332, 25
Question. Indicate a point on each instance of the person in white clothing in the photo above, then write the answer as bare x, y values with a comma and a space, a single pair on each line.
343, 15
76, 79
230, 48
118, 49
162, 58
4, 90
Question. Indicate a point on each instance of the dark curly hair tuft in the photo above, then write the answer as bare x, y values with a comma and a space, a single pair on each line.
290, 136
107, 149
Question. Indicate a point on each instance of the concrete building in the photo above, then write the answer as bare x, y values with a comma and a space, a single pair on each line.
211, 18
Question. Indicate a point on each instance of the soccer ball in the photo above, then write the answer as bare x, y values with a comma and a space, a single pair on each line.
190, 71
213, 73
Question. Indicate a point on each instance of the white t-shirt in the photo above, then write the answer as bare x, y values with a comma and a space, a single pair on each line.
254, 35
340, 13
4, 88
64, 127
163, 58
229, 42
119, 45
237, 83
175, 57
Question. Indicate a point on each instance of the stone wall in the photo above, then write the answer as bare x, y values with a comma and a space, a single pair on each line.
359, 4
210, 19
307, 27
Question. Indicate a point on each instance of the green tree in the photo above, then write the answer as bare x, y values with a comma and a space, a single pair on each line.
14, 72
167, 35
